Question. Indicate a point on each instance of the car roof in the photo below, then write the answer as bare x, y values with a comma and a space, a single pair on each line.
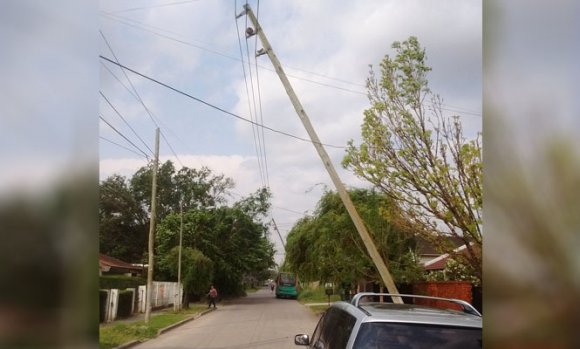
410, 313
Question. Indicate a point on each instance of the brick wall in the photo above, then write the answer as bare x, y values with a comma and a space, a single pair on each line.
446, 289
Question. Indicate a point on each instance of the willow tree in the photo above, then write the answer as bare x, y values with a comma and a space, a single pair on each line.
326, 246
419, 157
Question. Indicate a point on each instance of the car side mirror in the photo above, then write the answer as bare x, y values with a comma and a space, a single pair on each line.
302, 339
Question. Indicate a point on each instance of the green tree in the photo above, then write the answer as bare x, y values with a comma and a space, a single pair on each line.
191, 187
233, 238
327, 246
419, 157
196, 270
123, 222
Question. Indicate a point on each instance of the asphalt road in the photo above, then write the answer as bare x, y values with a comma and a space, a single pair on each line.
257, 321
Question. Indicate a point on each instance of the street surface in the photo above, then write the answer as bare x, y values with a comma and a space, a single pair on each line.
257, 321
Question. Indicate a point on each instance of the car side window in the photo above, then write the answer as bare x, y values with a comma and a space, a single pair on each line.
336, 329
315, 341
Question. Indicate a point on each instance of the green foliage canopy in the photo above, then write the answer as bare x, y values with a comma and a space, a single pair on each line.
196, 269
420, 158
221, 244
233, 239
122, 221
327, 246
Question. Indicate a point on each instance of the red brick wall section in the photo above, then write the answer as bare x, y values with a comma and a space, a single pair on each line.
446, 289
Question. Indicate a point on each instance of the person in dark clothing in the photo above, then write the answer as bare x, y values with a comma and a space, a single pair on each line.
212, 297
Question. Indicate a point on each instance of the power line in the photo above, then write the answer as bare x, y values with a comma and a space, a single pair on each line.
122, 135
133, 94
129, 80
256, 130
259, 111
138, 96
257, 149
218, 108
122, 118
153, 6
162, 133
119, 145
142, 26
289, 210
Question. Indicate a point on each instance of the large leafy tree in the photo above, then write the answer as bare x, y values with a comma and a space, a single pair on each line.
233, 238
123, 221
326, 246
419, 157
125, 204
192, 188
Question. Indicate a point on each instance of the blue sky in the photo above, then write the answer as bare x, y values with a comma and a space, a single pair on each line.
324, 46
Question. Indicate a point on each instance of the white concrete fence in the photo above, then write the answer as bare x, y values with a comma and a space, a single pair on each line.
163, 295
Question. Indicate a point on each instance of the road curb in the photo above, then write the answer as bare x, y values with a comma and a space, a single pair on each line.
164, 329
177, 324
129, 344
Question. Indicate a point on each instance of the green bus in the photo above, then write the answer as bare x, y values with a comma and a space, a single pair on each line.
287, 285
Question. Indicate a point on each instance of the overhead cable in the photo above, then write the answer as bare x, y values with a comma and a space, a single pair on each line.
124, 120
119, 145
257, 148
122, 135
142, 26
152, 6
138, 97
259, 111
216, 107
133, 94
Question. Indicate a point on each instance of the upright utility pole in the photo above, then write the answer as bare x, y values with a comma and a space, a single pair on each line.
152, 229
359, 224
179, 296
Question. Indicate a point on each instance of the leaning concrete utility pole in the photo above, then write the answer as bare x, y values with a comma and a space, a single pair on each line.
152, 230
359, 224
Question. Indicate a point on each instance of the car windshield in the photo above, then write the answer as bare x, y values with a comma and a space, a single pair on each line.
375, 335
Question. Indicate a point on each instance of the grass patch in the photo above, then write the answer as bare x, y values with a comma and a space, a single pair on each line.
316, 295
318, 309
115, 334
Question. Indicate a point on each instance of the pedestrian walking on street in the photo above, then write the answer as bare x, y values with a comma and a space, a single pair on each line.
212, 297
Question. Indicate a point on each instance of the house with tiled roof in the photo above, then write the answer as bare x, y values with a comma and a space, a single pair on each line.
113, 266
439, 262
427, 252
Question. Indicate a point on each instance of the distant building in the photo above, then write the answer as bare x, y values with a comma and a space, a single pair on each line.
439, 262
113, 266
427, 252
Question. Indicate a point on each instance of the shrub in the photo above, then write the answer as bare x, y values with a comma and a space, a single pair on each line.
120, 282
